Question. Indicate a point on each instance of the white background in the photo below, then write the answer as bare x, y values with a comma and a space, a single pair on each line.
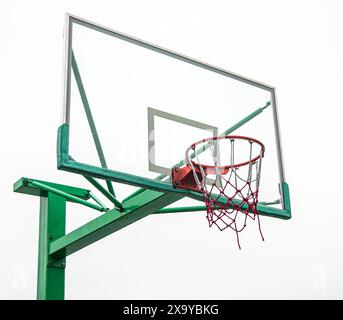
294, 45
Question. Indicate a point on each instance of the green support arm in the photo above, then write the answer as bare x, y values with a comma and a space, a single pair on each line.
134, 209
68, 196
25, 186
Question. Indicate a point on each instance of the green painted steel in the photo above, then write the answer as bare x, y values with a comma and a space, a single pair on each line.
62, 145
286, 198
67, 196
98, 201
52, 221
90, 118
272, 212
106, 193
134, 194
112, 221
246, 119
262, 209
24, 185
181, 209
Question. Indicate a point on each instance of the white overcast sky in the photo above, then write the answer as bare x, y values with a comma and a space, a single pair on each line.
294, 45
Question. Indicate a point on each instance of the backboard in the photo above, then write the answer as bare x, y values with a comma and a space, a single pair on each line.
131, 109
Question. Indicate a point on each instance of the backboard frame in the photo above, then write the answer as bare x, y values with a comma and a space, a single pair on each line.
67, 163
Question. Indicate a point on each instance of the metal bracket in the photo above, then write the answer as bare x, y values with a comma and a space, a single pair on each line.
52, 261
57, 264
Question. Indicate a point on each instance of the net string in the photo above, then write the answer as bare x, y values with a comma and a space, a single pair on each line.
230, 199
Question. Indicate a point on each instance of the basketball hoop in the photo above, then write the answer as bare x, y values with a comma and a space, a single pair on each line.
230, 191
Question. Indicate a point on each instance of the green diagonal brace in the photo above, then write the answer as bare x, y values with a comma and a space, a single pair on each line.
103, 190
114, 220
90, 119
106, 193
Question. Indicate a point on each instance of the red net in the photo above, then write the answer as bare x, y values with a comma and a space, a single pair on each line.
230, 192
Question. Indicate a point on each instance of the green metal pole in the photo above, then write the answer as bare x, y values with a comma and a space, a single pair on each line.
52, 221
